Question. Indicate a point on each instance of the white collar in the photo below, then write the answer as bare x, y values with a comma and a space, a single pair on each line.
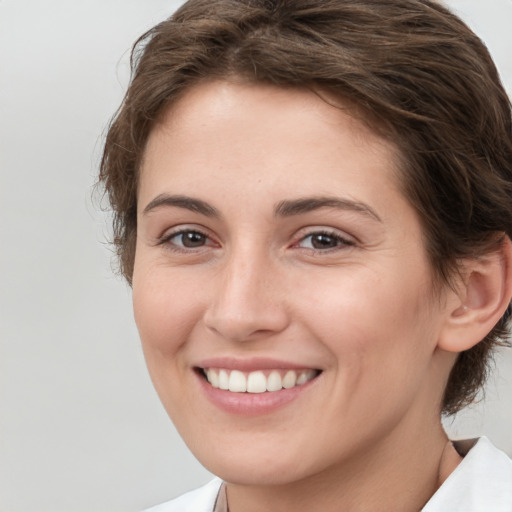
482, 482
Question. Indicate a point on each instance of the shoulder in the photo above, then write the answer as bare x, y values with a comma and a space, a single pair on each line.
198, 500
482, 481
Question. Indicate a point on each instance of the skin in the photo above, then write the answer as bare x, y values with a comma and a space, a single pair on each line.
366, 434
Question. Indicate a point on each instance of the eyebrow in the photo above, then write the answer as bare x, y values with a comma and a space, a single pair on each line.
308, 204
189, 203
287, 208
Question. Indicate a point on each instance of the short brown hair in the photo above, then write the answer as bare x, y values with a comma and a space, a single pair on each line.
411, 66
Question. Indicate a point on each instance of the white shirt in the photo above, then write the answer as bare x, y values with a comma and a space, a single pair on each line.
482, 482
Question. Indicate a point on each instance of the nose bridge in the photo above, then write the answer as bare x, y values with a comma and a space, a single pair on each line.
247, 301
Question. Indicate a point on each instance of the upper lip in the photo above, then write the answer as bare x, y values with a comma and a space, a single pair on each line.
251, 364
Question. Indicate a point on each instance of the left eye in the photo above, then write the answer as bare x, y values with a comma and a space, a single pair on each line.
321, 241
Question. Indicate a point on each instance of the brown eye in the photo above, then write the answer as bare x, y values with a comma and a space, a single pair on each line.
186, 239
324, 241
190, 239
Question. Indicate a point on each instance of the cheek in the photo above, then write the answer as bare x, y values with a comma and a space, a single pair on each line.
166, 309
362, 305
165, 312
378, 328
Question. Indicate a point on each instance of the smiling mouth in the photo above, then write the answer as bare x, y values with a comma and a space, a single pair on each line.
260, 381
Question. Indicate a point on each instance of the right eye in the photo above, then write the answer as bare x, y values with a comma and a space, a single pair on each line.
186, 239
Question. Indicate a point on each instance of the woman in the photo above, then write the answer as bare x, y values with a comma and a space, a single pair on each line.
312, 204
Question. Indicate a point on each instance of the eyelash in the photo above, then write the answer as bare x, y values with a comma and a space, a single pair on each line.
340, 241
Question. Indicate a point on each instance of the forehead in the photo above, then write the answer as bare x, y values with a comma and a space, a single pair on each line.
222, 97
250, 120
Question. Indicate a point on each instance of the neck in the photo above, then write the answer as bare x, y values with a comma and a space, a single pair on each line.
401, 474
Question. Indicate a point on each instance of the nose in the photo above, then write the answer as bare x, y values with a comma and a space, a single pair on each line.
248, 299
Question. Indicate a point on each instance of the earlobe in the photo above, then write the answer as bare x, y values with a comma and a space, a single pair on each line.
480, 301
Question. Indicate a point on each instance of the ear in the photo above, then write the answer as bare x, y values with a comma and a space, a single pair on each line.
480, 300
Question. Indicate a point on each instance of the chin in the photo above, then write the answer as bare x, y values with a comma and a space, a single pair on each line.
261, 459
256, 473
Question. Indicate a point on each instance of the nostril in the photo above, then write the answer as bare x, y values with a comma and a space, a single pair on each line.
240, 328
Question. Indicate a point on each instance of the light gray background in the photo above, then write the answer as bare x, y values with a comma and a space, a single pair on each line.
81, 428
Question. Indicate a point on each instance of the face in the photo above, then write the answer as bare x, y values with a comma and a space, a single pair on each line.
281, 286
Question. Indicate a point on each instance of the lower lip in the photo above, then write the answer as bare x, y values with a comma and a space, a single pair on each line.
251, 404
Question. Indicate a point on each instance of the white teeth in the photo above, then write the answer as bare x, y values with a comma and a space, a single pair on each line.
223, 380
213, 377
305, 376
274, 381
289, 379
257, 382
237, 382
